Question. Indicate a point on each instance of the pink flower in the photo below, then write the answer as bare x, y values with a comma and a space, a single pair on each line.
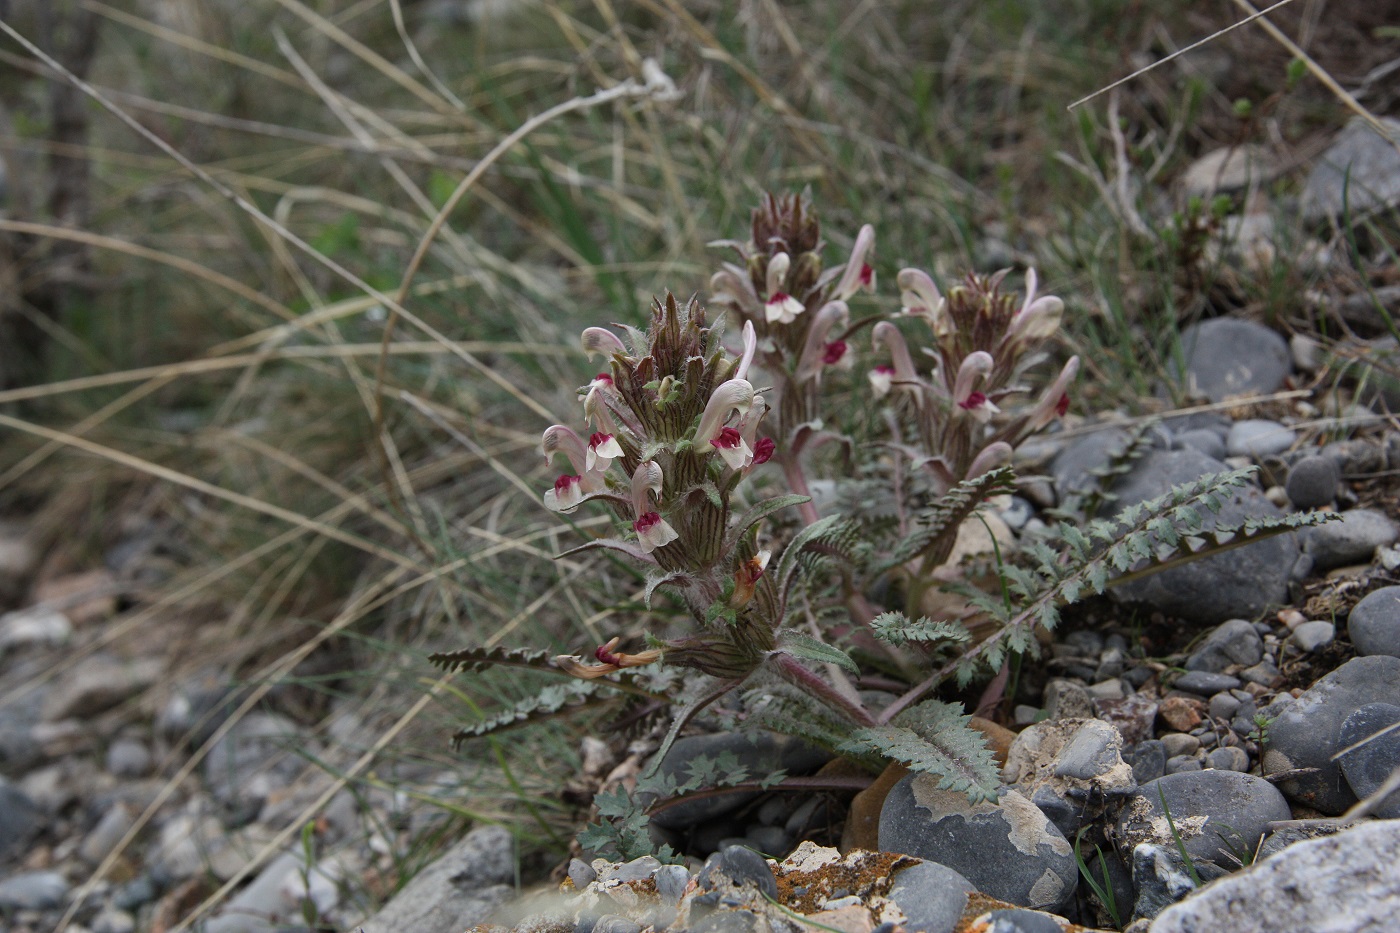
763, 450
979, 406
923, 299
731, 396
782, 308
838, 354
600, 340
653, 531
975, 367
1054, 401
881, 379
732, 447
1038, 318
603, 449
566, 494
857, 275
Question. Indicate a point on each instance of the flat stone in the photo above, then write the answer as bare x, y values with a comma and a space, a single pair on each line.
1227, 357
1368, 767
1233, 641
1312, 482
1204, 440
1232, 758
1211, 810
1180, 764
1343, 882
1009, 849
260, 754
1175, 744
277, 896
1258, 438
1149, 760
36, 626
1204, 683
99, 683
1351, 540
1073, 468
1374, 623
33, 890
20, 820
1358, 173
1229, 169
1306, 732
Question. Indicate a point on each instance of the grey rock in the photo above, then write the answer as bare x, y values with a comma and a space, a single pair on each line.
1312, 482
1224, 706
258, 755
671, 881
1160, 878
279, 894
1065, 699
98, 683
1073, 468
1232, 758
1374, 623
33, 890
1299, 831
932, 897
1352, 540
1368, 767
103, 838
1212, 811
1181, 764
1233, 641
638, 869
36, 625
1265, 673
1227, 357
760, 754
1086, 642
612, 923
727, 921
1306, 732
1237, 584
1256, 438
129, 758
739, 866
1204, 683
20, 820
1204, 440
581, 873
1069, 768
113, 920
1009, 849
19, 750
1314, 635
1359, 173
770, 840
1175, 744
1149, 760
460, 889
135, 893
1342, 882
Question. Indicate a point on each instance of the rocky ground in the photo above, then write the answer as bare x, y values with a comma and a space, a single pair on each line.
1209, 737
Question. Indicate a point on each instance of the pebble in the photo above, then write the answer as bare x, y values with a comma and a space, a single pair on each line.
1205, 440
1065, 699
18, 558
1312, 482
20, 819
1159, 878
1208, 808
738, 866
1346, 882
99, 683
1204, 683
461, 888
1175, 744
1227, 356
1374, 623
1351, 540
1179, 764
113, 920
1008, 849
1233, 758
1305, 733
1368, 767
1224, 706
103, 837
36, 626
1357, 174
1314, 636
1149, 760
581, 873
932, 897
33, 890
129, 758
1233, 641
1257, 437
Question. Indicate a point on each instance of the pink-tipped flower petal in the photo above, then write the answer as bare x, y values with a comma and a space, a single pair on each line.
831, 316
731, 396
857, 274
975, 367
782, 308
733, 448
601, 340
921, 298
1054, 401
566, 494
653, 531
763, 450
603, 449
777, 272
881, 380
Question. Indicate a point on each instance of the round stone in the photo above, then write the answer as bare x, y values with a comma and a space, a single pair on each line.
1370, 765
1306, 732
1351, 540
1227, 356
1374, 624
1008, 848
931, 896
1213, 812
1315, 635
1233, 641
1312, 482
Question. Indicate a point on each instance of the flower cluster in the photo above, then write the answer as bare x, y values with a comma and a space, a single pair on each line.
982, 343
673, 428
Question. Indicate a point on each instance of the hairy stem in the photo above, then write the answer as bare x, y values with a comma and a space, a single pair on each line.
796, 673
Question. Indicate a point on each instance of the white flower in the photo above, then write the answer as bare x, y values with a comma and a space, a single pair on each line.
566, 494
782, 308
603, 449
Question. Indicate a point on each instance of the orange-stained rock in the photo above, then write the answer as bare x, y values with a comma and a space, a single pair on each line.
863, 822
1181, 713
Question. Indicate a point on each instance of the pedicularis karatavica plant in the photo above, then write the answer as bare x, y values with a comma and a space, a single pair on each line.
679, 438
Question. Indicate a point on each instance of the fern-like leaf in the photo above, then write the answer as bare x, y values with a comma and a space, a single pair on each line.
552, 701
934, 738
937, 526
896, 629
478, 659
